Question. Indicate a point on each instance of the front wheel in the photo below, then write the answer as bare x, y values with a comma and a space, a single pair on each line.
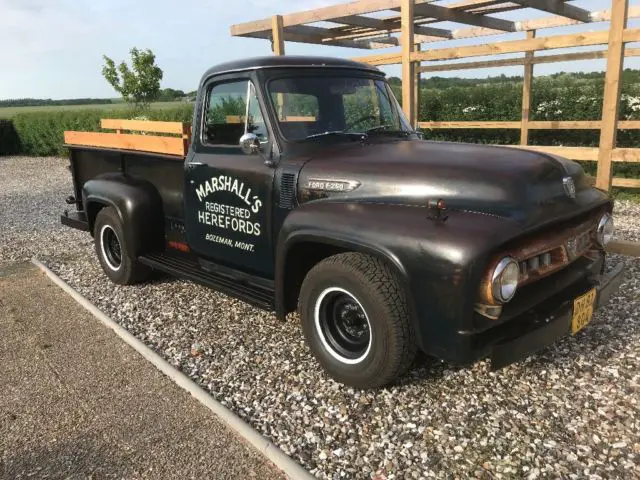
117, 262
355, 319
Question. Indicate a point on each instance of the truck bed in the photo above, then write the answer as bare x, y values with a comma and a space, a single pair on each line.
165, 172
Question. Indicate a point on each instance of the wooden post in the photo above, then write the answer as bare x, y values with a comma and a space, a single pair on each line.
526, 92
408, 77
277, 35
277, 39
416, 93
611, 98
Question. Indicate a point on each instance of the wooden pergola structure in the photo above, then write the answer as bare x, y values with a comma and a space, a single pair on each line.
413, 24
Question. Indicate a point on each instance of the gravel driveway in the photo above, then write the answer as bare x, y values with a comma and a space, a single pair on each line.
571, 411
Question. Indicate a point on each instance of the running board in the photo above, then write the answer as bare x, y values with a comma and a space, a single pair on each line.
260, 296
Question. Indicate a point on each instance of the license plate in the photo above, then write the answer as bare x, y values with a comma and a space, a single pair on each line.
582, 311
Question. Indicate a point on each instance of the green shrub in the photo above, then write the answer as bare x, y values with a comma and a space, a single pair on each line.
9, 140
42, 133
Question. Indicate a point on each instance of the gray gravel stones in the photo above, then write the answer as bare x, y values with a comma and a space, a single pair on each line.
571, 411
32, 193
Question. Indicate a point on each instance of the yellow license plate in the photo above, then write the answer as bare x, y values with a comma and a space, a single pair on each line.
582, 311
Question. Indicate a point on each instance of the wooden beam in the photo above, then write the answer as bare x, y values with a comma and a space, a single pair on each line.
510, 62
277, 35
558, 7
324, 36
318, 40
178, 128
470, 124
543, 125
526, 92
529, 45
144, 143
310, 31
277, 45
460, 16
380, 59
392, 41
418, 88
384, 25
432, 31
537, 24
611, 97
318, 15
627, 155
364, 22
408, 75
626, 182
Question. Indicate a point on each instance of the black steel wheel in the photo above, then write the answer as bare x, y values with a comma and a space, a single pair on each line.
111, 249
342, 325
116, 260
355, 320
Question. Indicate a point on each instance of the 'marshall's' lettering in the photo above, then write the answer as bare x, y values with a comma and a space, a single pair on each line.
225, 183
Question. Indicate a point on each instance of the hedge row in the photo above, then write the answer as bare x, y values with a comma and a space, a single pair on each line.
42, 133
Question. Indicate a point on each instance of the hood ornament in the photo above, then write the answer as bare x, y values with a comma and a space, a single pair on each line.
569, 187
436, 210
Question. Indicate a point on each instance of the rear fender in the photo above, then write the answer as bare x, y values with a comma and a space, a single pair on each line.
138, 204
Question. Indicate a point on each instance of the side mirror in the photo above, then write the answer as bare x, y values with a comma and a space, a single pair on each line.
250, 144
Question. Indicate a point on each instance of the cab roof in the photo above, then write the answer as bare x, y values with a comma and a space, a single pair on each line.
289, 61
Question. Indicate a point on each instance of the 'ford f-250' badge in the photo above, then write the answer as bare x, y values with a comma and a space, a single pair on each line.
569, 187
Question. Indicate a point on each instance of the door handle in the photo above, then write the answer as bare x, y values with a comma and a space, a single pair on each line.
194, 164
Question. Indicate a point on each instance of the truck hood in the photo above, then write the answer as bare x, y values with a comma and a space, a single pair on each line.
521, 185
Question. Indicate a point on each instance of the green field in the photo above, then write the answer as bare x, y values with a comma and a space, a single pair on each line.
8, 112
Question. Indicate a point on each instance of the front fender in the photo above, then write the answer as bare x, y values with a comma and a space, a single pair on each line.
439, 263
138, 204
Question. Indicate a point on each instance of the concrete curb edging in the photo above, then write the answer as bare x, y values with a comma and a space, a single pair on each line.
285, 463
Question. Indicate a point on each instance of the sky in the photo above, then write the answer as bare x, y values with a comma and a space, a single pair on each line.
53, 48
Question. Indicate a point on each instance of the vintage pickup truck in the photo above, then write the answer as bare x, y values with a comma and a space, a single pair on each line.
304, 187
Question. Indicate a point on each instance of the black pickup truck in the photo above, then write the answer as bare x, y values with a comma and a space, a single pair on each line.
305, 188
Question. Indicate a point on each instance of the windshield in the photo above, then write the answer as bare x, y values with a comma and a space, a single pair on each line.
311, 107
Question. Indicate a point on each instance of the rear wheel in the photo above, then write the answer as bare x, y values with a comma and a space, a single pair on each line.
116, 260
355, 320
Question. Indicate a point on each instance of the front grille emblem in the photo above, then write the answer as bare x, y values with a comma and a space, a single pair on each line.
569, 187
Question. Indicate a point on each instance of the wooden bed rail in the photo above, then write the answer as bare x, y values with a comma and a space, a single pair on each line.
169, 145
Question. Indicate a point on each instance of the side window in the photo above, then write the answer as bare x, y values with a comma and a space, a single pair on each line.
232, 110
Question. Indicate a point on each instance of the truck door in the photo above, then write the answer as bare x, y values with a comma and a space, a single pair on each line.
228, 191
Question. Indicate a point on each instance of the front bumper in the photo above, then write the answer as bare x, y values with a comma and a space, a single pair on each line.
539, 328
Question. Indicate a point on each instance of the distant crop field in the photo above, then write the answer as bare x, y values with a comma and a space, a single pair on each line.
8, 112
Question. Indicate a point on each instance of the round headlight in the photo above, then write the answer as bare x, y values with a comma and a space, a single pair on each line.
604, 233
505, 279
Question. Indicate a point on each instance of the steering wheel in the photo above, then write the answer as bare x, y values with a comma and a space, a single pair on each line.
360, 120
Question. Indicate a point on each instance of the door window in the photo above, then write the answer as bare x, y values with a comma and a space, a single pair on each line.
232, 110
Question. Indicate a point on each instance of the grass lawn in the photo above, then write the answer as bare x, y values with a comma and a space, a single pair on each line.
8, 112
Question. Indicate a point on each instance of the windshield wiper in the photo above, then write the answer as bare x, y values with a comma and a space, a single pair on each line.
386, 129
333, 132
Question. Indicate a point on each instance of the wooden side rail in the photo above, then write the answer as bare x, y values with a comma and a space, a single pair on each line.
169, 145
179, 128
533, 125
